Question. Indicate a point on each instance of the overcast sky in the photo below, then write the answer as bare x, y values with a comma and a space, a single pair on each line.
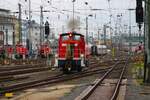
58, 18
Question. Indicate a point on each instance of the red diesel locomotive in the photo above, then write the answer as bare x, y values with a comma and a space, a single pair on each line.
72, 53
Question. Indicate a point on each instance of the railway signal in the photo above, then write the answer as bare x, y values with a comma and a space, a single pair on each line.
139, 11
47, 29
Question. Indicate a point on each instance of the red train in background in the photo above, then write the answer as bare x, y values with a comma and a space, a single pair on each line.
44, 50
21, 51
139, 48
72, 52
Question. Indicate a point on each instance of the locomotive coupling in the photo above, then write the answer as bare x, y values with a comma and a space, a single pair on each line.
68, 65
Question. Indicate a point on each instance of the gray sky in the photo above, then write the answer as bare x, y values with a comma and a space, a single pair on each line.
59, 18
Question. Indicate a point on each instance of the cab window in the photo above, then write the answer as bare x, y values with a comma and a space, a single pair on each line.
65, 37
76, 37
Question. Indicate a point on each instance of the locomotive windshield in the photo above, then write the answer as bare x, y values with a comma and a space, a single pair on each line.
70, 37
65, 37
76, 37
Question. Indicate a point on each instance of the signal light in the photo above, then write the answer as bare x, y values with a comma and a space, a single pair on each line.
139, 14
47, 28
139, 3
139, 11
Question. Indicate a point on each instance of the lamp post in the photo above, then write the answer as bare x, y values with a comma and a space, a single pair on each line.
140, 32
104, 31
87, 27
6, 36
28, 41
86, 3
73, 14
99, 34
130, 42
41, 26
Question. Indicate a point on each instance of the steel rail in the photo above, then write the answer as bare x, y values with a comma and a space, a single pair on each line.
34, 68
115, 93
50, 80
91, 90
8, 74
17, 67
23, 71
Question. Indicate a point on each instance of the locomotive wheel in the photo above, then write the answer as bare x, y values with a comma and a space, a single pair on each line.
65, 70
87, 63
79, 68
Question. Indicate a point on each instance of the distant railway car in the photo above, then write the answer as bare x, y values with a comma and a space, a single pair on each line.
99, 50
21, 51
88, 50
9, 49
93, 50
44, 50
72, 52
139, 48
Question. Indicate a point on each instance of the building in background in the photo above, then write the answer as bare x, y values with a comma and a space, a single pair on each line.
25, 31
7, 26
35, 34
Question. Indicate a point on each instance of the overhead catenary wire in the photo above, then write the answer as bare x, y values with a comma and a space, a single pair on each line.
57, 8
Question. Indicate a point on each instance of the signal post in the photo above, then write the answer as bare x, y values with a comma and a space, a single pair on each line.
47, 31
147, 42
140, 18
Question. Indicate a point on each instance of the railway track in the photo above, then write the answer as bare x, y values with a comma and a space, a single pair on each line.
11, 79
21, 61
27, 68
17, 67
49, 80
23, 71
9, 73
13, 75
86, 95
53, 79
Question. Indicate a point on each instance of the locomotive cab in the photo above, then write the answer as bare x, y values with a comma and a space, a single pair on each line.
71, 52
